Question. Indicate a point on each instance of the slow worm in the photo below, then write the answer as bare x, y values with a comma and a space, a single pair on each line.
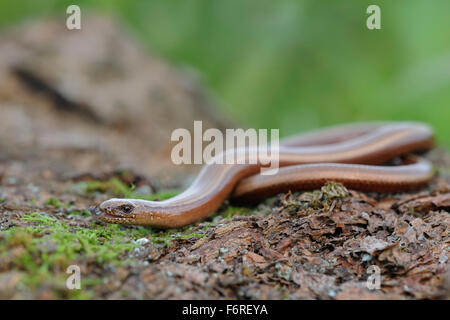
351, 154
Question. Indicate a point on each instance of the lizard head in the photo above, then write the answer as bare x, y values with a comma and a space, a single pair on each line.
122, 211
131, 212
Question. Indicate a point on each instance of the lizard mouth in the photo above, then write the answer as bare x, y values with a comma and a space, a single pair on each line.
115, 219
109, 215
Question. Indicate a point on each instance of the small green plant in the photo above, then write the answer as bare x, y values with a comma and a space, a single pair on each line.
186, 232
119, 188
231, 211
80, 213
53, 202
323, 198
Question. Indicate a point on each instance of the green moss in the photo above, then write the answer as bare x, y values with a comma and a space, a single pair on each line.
50, 246
81, 294
119, 188
80, 213
53, 202
186, 232
230, 211
42, 219
113, 185
163, 195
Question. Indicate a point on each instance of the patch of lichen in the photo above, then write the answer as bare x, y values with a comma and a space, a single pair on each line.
53, 202
323, 199
42, 246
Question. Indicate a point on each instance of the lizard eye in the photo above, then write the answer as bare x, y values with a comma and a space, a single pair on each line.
126, 208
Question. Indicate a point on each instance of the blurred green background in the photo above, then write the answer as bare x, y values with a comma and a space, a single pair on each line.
296, 65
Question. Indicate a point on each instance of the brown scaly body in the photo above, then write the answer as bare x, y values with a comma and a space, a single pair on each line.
350, 154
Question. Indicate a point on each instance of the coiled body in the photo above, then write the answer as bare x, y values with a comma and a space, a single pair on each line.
350, 154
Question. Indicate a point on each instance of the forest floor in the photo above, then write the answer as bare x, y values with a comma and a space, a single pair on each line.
321, 244
66, 133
